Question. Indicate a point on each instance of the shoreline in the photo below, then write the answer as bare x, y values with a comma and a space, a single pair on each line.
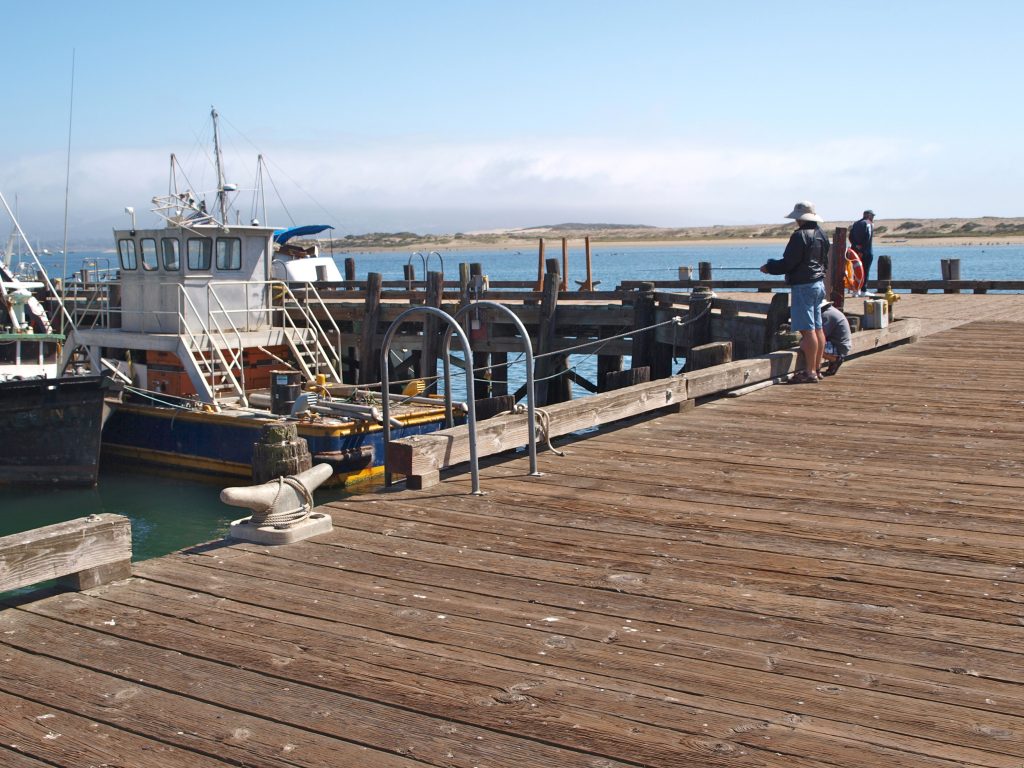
552, 244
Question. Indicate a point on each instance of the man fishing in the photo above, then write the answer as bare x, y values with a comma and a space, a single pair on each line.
803, 264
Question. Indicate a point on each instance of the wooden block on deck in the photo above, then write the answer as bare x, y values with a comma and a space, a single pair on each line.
93, 550
709, 355
422, 482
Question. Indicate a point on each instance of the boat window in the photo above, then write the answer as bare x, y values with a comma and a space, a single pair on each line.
229, 253
172, 255
200, 249
149, 260
126, 249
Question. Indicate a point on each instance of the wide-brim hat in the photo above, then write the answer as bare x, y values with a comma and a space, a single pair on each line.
825, 304
804, 211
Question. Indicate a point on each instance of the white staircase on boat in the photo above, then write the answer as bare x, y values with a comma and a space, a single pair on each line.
214, 357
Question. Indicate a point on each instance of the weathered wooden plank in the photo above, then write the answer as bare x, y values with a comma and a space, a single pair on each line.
57, 737
868, 708
489, 666
313, 693
92, 549
173, 722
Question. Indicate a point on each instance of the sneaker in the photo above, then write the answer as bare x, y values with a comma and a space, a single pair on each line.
833, 366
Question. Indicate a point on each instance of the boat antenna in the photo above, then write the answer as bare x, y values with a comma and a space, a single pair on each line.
222, 197
67, 193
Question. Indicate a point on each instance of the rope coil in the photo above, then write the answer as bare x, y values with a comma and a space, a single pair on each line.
285, 518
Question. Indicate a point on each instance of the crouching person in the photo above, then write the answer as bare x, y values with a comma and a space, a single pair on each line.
838, 339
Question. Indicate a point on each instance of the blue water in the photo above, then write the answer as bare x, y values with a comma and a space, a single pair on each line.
613, 264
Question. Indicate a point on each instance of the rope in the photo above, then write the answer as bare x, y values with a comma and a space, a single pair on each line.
284, 518
544, 425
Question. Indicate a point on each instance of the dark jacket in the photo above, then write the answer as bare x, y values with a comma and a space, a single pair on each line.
803, 261
861, 234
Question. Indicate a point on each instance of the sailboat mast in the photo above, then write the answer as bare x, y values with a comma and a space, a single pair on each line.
222, 198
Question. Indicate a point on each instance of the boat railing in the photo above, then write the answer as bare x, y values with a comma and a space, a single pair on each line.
314, 349
312, 300
89, 303
206, 349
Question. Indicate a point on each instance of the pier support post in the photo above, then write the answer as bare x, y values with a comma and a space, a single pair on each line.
279, 452
350, 269
552, 383
778, 315
643, 316
707, 355
662, 356
704, 271
950, 272
834, 289
432, 330
369, 367
884, 273
698, 319
540, 265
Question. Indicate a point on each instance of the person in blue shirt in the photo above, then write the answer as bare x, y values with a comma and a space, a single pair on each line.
861, 234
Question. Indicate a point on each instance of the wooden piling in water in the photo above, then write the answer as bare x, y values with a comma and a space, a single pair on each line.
369, 360
835, 290
432, 329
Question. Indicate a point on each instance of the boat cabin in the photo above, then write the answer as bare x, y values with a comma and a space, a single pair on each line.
182, 275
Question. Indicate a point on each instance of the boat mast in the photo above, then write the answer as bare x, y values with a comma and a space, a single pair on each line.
222, 197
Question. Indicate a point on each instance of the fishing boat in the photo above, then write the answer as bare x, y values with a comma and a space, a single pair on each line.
216, 330
51, 422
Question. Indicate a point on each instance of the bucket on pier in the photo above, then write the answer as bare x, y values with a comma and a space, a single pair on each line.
876, 313
285, 388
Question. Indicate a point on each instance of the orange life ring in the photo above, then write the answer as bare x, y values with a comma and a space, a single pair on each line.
854, 277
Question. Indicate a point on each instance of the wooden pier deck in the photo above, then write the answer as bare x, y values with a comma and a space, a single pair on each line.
824, 575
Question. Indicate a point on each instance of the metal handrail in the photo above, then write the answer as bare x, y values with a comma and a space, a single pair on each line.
197, 345
453, 327
313, 324
425, 260
320, 352
528, 351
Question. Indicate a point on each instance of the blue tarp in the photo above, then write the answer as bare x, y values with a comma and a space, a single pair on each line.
282, 236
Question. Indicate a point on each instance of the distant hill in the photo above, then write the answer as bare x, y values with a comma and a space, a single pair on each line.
986, 227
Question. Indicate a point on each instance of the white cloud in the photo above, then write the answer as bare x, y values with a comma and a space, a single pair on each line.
408, 183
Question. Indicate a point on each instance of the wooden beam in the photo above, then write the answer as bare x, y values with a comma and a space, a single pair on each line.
425, 454
89, 550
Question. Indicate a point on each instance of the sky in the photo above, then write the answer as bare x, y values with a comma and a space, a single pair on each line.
467, 115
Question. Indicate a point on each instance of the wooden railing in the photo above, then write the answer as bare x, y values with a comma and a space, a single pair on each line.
83, 553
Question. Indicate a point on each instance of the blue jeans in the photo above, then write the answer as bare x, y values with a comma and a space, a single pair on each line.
805, 305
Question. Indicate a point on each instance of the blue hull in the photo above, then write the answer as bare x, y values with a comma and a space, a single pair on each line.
220, 446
